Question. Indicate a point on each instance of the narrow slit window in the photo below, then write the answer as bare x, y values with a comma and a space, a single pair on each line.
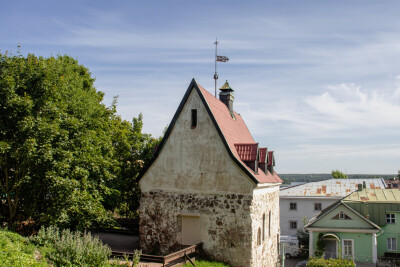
194, 118
263, 229
269, 223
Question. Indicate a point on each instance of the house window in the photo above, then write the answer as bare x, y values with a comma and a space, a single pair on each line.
342, 216
259, 237
347, 248
194, 118
317, 206
293, 206
293, 224
392, 244
390, 218
263, 231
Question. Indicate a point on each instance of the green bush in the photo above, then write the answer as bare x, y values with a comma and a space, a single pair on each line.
16, 250
66, 248
206, 263
319, 262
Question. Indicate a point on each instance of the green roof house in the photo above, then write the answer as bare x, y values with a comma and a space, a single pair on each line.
364, 225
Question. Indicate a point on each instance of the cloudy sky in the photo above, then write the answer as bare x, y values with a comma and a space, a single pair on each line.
316, 81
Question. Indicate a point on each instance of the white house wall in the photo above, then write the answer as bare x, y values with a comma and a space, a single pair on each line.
305, 208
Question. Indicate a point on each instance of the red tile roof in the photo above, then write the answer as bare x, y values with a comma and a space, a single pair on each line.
235, 131
247, 152
271, 158
263, 155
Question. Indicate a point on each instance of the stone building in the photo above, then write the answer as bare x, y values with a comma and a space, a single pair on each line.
210, 182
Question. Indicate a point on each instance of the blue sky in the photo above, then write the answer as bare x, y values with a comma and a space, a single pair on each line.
316, 81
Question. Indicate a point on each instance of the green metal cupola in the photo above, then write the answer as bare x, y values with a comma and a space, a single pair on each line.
226, 96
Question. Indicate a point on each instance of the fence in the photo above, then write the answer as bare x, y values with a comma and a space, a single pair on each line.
168, 260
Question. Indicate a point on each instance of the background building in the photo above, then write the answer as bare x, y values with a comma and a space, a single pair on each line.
306, 200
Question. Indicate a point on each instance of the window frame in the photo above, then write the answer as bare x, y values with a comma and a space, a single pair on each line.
193, 118
390, 218
294, 204
344, 248
290, 225
342, 215
315, 206
391, 243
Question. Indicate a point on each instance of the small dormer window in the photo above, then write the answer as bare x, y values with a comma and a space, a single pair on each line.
342, 216
194, 118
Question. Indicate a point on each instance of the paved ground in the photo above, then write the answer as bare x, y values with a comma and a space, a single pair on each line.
292, 262
119, 242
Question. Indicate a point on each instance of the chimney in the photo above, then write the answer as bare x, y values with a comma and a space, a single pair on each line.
226, 96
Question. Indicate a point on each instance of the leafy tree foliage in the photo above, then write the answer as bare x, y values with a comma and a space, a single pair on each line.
338, 174
64, 154
303, 235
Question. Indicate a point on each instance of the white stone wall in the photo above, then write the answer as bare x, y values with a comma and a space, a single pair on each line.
194, 174
265, 200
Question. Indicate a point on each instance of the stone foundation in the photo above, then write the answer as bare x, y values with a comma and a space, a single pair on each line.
225, 224
229, 224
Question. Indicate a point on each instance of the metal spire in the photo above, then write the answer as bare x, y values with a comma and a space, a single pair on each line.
218, 58
215, 74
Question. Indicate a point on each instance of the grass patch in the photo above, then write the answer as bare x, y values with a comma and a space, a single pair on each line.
205, 263
16, 250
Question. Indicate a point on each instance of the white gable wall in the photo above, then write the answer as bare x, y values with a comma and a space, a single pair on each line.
195, 160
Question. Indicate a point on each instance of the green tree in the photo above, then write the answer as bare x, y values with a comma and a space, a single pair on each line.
338, 174
62, 151
303, 236
134, 149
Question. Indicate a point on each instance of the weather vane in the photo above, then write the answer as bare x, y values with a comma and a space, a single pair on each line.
220, 59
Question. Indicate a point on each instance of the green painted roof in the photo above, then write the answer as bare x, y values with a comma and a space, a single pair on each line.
226, 87
374, 195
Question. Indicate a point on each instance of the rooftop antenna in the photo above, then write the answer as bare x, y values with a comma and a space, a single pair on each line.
220, 59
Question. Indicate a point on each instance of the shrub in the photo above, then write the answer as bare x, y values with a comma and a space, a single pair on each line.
67, 248
319, 262
136, 258
16, 250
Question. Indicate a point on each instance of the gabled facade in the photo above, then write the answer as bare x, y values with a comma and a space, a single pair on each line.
307, 200
362, 226
204, 184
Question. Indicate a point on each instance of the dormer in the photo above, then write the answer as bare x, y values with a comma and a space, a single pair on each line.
262, 163
271, 162
249, 154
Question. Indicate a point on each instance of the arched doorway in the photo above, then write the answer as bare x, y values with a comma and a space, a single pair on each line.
332, 242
